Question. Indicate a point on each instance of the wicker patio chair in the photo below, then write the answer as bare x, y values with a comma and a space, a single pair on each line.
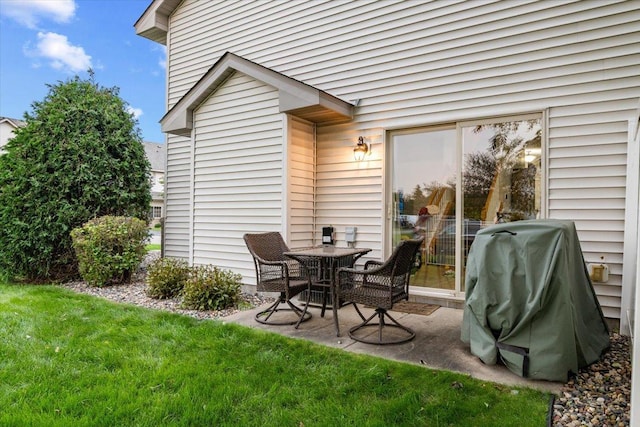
380, 285
276, 273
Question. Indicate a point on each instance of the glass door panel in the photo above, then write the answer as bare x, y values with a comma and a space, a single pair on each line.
500, 176
423, 177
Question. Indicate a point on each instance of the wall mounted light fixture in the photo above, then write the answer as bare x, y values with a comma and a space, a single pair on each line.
529, 157
361, 149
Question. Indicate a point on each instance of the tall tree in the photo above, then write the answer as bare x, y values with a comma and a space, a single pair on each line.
80, 156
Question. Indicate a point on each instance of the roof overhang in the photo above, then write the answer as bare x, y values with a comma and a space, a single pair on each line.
154, 22
15, 123
295, 97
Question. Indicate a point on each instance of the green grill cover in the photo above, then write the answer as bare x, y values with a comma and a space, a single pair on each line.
530, 302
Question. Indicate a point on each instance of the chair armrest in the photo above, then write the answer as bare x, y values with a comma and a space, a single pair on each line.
378, 266
372, 262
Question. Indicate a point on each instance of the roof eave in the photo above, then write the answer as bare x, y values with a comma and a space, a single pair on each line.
154, 22
295, 97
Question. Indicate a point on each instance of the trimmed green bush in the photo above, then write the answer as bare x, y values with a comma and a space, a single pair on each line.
211, 288
110, 248
166, 277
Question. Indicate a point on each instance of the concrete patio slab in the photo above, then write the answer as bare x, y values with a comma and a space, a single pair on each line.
437, 343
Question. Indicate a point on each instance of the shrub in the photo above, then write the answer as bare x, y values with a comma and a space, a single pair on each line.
211, 288
166, 277
109, 249
79, 156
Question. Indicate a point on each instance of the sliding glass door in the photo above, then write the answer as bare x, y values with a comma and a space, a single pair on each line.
424, 201
447, 183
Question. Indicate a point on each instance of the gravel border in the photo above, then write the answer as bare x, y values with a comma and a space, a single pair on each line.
600, 394
136, 293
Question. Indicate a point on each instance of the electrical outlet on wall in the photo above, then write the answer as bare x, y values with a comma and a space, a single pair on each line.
350, 234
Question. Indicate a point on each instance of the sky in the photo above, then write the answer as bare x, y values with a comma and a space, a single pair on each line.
49, 41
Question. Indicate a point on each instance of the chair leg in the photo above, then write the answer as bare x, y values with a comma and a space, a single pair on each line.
360, 313
301, 315
304, 312
325, 295
380, 314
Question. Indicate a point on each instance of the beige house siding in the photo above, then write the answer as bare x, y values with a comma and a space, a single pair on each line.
238, 172
415, 64
350, 193
587, 157
301, 183
178, 197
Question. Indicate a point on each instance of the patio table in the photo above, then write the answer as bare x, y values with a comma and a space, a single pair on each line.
323, 262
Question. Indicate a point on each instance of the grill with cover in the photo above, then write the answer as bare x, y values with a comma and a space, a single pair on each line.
530, 302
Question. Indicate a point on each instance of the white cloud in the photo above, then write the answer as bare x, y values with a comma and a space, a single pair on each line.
137, 112
63, 55
162, 60
30, 12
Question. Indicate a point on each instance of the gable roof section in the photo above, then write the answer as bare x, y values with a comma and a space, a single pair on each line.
295, 97
13, 122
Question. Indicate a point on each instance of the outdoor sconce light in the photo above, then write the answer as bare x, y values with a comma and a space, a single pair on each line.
528, 157
361, 149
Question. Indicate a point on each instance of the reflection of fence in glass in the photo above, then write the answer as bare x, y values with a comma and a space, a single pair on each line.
442, 248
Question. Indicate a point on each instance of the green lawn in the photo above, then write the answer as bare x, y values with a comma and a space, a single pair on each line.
74, 360
153, 247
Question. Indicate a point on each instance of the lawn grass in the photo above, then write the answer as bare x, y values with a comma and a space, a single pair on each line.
74, 360
153, 247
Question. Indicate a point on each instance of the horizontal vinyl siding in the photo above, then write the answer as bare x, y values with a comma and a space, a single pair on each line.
414, 63
587, 183
177, 187
238, 175
349, 193
301, 183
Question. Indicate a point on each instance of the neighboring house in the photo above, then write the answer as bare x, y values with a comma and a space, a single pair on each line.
7, 128
484, 111
156, 155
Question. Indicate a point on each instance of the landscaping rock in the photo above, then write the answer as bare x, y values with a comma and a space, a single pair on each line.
599, 394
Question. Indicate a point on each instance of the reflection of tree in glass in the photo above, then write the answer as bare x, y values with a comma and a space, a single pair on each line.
503, 156
523, 193
479, 172
421, 196
506, 144
414, 201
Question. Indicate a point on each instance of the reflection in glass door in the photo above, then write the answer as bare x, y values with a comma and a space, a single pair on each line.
423, 177
500, 175
449, 183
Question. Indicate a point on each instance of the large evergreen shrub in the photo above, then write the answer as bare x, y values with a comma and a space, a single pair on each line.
80, 156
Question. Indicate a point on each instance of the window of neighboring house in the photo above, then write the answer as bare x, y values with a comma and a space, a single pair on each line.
156, 212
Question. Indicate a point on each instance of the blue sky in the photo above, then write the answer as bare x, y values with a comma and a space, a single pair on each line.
46, 41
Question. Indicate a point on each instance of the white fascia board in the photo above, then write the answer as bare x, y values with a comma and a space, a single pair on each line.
331, 102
